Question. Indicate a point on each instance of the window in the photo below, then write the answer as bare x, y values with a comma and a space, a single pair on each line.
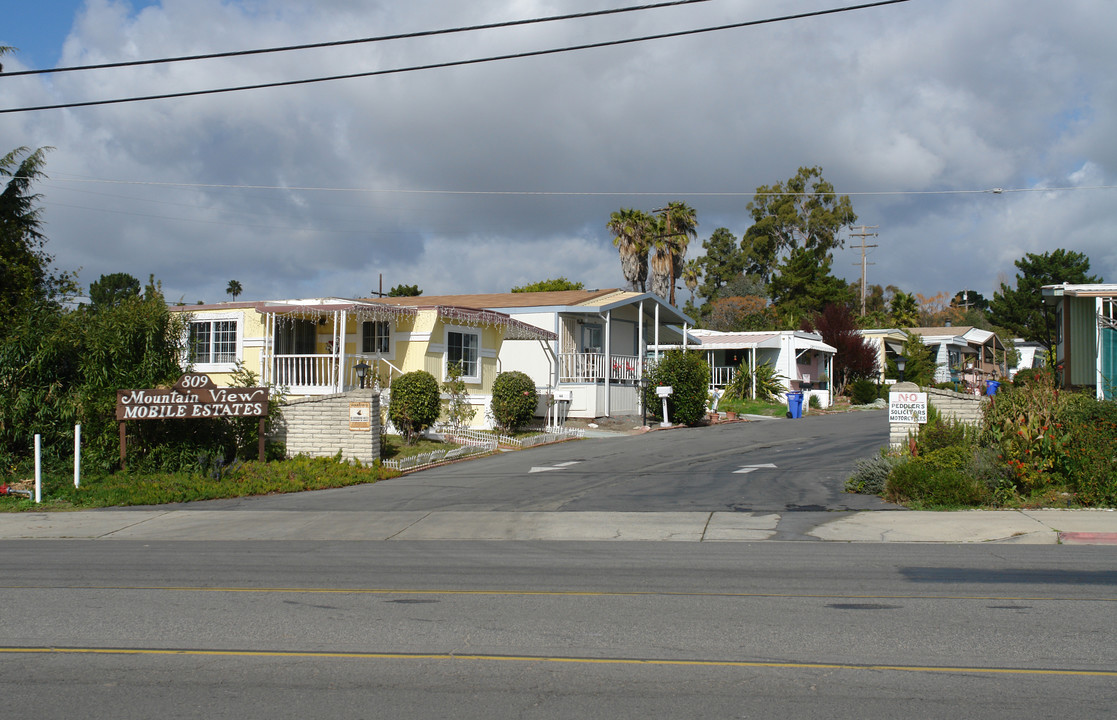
464, 347
376, 337
213, 342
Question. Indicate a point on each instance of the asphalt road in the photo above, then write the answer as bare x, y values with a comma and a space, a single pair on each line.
764, 466
556, 630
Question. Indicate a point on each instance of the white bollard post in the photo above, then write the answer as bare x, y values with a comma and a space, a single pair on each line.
38, 469
77, 455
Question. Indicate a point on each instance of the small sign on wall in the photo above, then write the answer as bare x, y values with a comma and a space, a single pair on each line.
907, 407
360, 416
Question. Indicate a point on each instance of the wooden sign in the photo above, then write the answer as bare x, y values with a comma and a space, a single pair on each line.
193, 396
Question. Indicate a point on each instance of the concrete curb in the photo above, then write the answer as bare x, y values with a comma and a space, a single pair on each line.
1046, 527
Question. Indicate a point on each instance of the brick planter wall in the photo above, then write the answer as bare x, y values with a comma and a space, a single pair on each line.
962, 407
319, 426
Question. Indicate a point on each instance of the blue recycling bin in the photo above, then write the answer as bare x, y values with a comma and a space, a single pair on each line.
991, 387
795, 405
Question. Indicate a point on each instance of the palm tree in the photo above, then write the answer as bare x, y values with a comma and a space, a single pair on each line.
692, 273
234, 289
675, 228
630, 232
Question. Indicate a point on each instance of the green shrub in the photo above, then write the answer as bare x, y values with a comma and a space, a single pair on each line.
414, 403
1033, 376
1027, 424
938, 433
871, 474
1092, 450
687, 372
459, 411
815, 403
864, 392
925, 482
514, 400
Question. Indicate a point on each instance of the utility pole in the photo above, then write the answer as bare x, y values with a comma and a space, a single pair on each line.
864, 234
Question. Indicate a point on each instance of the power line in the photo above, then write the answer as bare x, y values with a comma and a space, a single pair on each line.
358, 41
456, 63
565, 193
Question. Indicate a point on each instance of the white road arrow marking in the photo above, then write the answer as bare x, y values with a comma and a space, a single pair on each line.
753, 468
557, 466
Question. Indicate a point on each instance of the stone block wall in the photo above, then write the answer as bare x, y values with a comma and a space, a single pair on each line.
319, 426
962, 407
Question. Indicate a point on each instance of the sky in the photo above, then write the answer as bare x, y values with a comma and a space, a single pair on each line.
477, 178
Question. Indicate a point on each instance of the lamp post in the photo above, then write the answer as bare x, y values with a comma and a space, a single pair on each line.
901, 363
361, 369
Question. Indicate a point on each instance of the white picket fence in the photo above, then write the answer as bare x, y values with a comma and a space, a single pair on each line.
471, 437
437, 456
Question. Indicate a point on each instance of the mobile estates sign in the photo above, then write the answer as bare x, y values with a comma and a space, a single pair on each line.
193, 396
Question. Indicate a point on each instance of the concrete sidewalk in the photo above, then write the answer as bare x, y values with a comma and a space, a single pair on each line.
1098, 527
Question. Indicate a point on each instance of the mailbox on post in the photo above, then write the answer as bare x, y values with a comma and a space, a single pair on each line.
664, 392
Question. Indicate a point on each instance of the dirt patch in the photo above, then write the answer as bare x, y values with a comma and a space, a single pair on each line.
623, 424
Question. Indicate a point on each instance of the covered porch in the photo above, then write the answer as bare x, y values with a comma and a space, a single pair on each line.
311, 347
603, 351
803, 362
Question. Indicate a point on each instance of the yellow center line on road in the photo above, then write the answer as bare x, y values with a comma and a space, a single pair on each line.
548, 593
545, 659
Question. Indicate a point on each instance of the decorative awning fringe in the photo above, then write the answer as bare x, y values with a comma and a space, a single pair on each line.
513, 329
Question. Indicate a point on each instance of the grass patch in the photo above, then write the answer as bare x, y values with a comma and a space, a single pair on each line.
237, 480
752, 407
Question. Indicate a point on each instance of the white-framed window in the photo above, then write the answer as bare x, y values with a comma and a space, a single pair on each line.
463, 345
376, 337
213, 342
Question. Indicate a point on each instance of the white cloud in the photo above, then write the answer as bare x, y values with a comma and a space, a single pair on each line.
916, 97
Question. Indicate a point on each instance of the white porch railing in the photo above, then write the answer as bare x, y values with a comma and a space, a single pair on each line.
720, 376
317, 374
591, 367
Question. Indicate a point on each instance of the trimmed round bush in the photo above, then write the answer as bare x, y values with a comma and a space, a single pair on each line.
514, 400
414, 404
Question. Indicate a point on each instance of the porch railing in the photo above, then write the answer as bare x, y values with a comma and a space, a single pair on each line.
591, 367
720, 376
303, 371
319, 372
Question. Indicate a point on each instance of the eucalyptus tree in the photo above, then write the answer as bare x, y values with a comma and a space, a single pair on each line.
802, 214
